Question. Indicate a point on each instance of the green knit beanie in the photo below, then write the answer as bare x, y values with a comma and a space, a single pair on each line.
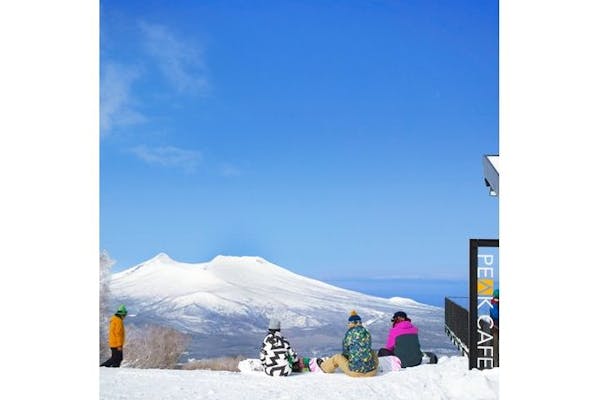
122, 310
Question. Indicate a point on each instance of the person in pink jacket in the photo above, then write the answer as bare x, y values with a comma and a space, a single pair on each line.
401, 325
403, 342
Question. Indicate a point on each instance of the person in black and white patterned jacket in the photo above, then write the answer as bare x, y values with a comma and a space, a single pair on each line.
276, 355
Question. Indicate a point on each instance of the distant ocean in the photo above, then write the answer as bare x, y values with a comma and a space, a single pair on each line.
428, 291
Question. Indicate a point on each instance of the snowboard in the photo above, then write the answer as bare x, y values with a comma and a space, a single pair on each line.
250, 365
389, 363
393, 363
429, 357
254, 365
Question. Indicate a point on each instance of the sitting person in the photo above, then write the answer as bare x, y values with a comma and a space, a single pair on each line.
277, 356
403, 342
357, 358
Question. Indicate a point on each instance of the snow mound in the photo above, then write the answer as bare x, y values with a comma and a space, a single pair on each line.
450, 379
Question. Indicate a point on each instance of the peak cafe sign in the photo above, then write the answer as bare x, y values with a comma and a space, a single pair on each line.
483, 273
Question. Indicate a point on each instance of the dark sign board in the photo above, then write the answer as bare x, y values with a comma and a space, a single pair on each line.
483, 280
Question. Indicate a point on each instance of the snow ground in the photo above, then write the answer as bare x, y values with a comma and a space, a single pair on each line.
450, 379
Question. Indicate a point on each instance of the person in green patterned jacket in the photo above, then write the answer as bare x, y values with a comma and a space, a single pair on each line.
357, 358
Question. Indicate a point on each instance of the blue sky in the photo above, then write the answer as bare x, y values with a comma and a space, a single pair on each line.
338, 139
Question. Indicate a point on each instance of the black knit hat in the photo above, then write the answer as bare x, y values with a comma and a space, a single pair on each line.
400, 314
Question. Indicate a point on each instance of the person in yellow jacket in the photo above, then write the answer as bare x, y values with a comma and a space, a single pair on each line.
116, 338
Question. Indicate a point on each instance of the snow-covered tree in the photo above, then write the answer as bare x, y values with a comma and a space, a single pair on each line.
106, 264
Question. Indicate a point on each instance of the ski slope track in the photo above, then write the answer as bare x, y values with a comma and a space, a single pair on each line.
225, 305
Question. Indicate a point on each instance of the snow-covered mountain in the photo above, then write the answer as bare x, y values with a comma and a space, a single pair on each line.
225, 306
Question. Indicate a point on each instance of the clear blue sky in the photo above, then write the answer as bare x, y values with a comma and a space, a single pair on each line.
334, 138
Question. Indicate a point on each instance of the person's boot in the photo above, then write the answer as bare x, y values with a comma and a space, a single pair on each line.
315, 365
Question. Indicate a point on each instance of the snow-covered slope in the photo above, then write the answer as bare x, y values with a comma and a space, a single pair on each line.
225, 304
450, 379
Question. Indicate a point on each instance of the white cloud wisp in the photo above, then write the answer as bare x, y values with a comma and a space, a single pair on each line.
181, 63
116, 99
169, 156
